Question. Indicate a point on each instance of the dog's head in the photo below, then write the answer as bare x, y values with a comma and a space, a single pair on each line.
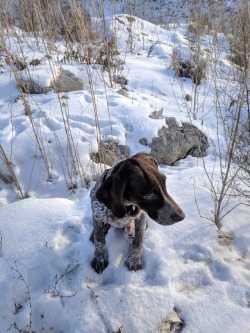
138, 181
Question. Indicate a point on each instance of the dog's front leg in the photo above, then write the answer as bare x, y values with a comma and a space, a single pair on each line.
134, 261
100, 260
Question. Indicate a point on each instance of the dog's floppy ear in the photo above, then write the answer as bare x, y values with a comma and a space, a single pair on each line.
153, 161
147, 158
111, 194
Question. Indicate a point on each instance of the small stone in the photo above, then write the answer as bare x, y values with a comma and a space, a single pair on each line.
120, 79
123, 92
35, 62
172, 324
172, 122
143, 142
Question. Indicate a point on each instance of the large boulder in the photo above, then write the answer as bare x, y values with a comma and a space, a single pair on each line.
176, 142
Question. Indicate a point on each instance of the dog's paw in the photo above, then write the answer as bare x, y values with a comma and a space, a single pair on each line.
134, 264
99, 264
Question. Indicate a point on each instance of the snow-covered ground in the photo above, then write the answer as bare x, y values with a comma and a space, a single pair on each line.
46, 281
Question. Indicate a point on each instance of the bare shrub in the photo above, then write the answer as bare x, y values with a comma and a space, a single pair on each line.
240, 55
233, 156
26, 302
200, 25
240, 38
242, 159
188, 68
54, 290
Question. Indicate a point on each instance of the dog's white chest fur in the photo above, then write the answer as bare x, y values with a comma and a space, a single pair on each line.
103, 214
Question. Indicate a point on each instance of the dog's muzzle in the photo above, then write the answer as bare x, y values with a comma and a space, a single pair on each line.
169, 214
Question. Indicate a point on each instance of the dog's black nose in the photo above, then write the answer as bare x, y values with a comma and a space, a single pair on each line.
177, 216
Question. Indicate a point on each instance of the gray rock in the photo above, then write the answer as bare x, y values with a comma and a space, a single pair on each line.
66, 81
175, 143
172, 122
30, 87
110, 152
35, 62
123, 91
143, 141
120, 79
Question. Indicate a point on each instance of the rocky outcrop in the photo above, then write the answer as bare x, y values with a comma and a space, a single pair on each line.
110, 152
176, 142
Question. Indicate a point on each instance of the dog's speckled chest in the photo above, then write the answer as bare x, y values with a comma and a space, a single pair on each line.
103, 214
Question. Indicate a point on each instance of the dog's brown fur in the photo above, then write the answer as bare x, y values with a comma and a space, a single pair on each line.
132, 189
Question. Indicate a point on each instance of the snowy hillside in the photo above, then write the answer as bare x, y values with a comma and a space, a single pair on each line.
46, 281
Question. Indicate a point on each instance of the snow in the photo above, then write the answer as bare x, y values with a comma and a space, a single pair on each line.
46, 253
41, 75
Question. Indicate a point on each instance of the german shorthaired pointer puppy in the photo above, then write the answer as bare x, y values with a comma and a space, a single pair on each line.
123, 197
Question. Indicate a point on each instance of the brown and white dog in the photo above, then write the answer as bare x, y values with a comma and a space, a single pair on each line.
123, 197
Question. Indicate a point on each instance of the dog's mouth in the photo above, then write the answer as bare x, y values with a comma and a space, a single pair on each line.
132, 209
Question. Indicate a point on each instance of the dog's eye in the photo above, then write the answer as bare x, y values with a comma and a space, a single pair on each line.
150, 196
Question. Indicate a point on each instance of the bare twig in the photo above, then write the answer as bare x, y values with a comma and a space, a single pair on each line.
54, 291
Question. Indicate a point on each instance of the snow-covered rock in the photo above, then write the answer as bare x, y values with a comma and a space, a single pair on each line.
66, 82
43, 78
